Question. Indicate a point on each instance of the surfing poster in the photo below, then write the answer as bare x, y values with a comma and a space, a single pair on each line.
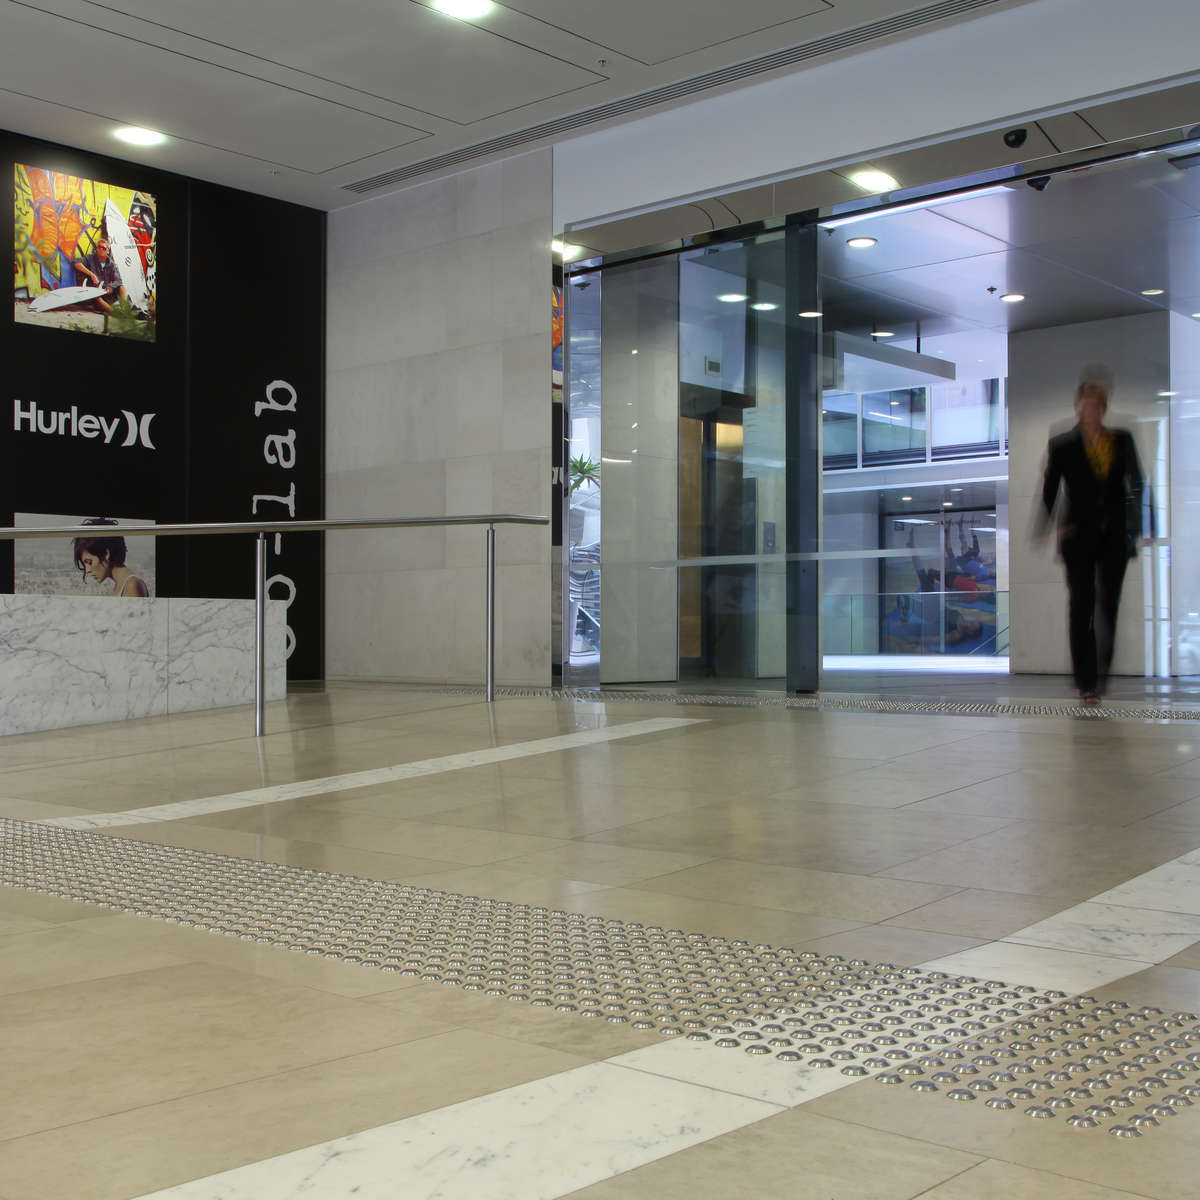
84, 255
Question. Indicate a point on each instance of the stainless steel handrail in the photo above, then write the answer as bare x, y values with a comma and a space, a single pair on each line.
262, 528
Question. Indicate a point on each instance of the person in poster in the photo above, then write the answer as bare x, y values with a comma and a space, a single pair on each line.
99, 267
103, 558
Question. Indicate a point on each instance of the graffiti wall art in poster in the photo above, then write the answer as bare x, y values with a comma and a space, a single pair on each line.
84, 255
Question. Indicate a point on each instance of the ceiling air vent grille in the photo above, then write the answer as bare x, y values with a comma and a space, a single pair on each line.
887, 27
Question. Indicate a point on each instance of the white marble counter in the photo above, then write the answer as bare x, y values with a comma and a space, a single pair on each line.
69, 660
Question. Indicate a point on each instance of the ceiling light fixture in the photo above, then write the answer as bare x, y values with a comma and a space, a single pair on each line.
812, 314
905, 497
1167, 395
464, 10
947, 503
1013, 297
135, 135
764, 307
871, 180
861, 243
567, 250
883, 333
1152, 291
732, 297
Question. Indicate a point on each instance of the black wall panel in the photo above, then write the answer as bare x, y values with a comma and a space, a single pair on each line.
230, 395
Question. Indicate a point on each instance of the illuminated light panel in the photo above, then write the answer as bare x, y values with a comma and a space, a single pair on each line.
464, 10
861, 243
871, 180
1012, 297
883, 333
135, 135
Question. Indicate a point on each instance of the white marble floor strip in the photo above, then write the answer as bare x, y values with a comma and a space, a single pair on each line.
357, 779
1126, 929
533, 1142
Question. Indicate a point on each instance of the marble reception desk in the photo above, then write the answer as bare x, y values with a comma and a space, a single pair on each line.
74, 660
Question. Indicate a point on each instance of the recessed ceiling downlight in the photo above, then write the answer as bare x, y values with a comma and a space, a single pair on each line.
764, 306
732, 297
812, 314
464, 10
861, 243
883, 333
871, 180
1152, 291
1013, 297
135, 135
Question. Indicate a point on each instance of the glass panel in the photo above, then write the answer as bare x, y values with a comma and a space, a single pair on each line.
893, 426
839, 430
677, 501
966, 418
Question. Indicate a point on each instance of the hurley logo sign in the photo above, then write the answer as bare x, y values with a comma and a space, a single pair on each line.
70, 422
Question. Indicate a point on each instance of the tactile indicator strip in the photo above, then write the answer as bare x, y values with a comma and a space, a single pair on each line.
1017, 1047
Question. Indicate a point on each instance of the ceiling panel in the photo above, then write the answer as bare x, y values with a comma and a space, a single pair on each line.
652, 33
396, 50
187, 99
903, 240
1084, 203
1055, 295
1162, 256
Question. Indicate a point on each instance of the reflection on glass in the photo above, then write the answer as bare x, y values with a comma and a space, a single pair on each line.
893, 426
966, 418
839, 430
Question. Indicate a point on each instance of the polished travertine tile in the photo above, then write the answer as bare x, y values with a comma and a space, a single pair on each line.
1037, 966
994, 1180
796, 889
140, 1150
1164, 1166
794, 1154
979, 914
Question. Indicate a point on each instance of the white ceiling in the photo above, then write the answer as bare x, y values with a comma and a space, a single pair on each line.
298, 98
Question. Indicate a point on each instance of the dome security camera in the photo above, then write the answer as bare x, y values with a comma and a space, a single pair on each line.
1039, 183
1014, 139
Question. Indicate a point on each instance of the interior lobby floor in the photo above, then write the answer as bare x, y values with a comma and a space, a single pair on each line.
410, 944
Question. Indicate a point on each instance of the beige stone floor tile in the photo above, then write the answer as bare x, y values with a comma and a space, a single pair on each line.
36, 810
360, 831
432, 795
974, 913
1175, 988
501, 883
1189, 958
888, 943
19, 902
1184, 816
1075, 861
1164, 1166
320, 856
62, 956
864, 899
1062, 796
564, 813
794, 1154
884, 786
155, 1035
715, 917
147, 1148
12, 925
270, 962
992, 1180
598, 862
586, 1037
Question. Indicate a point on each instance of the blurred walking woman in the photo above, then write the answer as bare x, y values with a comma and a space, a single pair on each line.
103, 558
1098, 531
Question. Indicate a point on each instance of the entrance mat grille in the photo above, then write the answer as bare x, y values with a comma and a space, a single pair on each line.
1018, 1048
849, 702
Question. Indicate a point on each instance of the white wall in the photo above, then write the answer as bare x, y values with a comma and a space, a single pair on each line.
1033, 58
1044, 370
438, 386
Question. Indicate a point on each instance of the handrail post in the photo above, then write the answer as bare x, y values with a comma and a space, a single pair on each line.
490, 619
260, 636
